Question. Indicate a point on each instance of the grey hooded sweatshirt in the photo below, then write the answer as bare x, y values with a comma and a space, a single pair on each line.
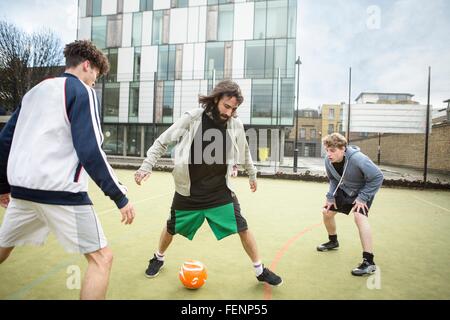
360, 176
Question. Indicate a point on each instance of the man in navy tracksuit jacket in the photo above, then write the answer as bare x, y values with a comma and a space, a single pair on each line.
48, 148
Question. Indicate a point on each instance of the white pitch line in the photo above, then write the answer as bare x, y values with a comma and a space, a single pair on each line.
431, 203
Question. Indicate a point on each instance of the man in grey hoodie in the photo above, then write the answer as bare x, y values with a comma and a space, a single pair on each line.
354, 181
210, 143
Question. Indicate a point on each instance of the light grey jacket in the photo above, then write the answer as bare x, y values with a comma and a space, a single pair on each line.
182, 133
360, 176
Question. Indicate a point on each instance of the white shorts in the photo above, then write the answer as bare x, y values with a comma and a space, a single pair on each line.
77, 228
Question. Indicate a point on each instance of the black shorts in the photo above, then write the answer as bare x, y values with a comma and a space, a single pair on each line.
344, 202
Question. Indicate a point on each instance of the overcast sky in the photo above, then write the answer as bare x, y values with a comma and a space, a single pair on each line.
388, 43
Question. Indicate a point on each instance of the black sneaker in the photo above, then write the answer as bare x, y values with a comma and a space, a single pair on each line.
269, 277
153, 267
330, 245
364, 268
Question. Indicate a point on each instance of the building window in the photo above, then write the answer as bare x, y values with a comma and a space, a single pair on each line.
113, 143
137, 29
214, 60
292, 19
302, 133
133, 140
330, 128
146, 5
225, 23
114, 32
98, 35
277, 19
331, 114
164, 101
111, 102
287, 99
179, 3
161, 20
259, 29
167, 60
254, 58
263, 58
313, 133
93, 8
133, 109
168, 101
271, 19
261, 103
137, 64
112, 55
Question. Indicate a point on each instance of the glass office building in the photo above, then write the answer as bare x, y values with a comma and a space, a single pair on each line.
164, 53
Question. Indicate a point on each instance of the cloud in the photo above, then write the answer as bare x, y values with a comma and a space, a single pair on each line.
58, 15
394, 56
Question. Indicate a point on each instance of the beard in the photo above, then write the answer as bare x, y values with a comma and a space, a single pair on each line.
220, 120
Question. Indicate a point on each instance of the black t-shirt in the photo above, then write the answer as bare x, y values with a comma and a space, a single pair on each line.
339, 166
207, 170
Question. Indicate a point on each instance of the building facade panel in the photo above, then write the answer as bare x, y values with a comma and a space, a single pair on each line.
178, 25
124, 101
84, 31
130, 5
243, 21
127, 27
146, 101
109, 7
147, 21
125, 64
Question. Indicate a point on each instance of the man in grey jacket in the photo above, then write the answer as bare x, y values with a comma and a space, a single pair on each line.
210, 144
354, 181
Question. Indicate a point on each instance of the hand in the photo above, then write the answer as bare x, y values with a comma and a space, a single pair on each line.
127, 213
4, 200
253, 186
141, 176
329, 204
234, 172
359, 205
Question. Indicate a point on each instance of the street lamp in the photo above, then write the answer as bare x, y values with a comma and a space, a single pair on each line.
298, 63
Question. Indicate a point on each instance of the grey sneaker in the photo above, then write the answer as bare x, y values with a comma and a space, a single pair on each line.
154, 267
330, 245
364, 268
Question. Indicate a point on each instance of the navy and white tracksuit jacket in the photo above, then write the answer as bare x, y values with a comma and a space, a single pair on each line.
52, 143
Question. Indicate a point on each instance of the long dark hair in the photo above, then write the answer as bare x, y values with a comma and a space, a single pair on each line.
226, 88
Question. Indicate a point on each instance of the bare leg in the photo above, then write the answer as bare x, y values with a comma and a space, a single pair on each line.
4, 253
165, 240
330, 223
249, 244
365, 234
96, 280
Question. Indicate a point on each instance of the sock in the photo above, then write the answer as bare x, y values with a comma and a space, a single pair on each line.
258, 268
333, 237
368, 256
159, 256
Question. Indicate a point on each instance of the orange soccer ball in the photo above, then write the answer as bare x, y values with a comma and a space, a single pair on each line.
193, 274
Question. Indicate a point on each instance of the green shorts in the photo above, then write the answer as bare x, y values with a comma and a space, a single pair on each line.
224, 220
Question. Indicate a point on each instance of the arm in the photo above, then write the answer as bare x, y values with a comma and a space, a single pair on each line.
6, 137
374, 180
159, 147
87, 139
333, 184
